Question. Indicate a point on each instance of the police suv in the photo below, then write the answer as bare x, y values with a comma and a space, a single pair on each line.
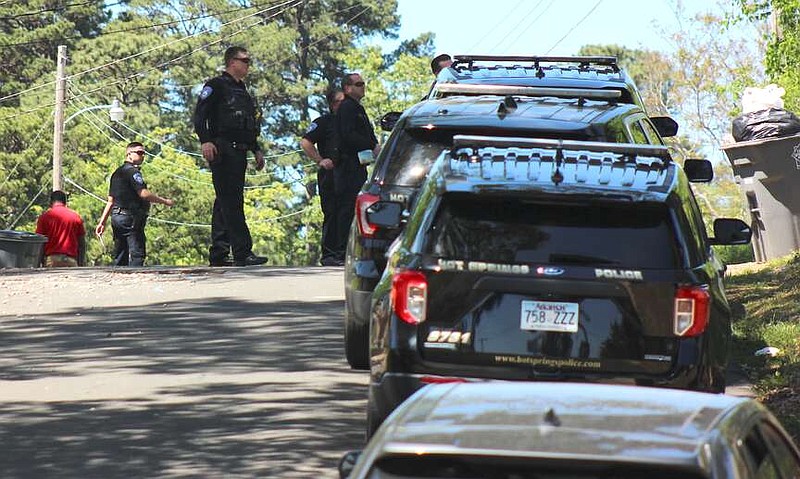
543, 259
575, 98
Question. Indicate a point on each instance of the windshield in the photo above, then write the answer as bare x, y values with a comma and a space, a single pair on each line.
516, 230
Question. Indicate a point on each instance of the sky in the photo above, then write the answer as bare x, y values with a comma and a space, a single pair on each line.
542, 27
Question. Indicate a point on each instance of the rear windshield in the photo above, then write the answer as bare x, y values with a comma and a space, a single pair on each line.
517, 230
416, 149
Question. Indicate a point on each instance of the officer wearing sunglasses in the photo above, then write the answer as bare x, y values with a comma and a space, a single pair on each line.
128, 205
357, 147
227, 122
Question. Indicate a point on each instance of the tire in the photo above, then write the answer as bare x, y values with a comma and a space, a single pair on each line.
356, 341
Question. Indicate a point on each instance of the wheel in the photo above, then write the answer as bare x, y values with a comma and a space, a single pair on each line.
356, 341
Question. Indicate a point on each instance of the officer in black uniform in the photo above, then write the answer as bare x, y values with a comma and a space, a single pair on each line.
355, 136
227, 122
321, 144
128, 204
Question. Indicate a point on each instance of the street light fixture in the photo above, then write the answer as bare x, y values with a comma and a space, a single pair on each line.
115, 114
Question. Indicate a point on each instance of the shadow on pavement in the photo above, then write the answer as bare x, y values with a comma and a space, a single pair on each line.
236, 389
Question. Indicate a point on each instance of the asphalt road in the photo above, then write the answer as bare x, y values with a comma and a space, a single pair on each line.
228, 372
177, 373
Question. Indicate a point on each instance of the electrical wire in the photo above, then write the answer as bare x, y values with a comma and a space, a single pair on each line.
165, 146
161, 66
495, 27
133, 29
163, 45
171, 42
268, 65
575, 26
35, 139
177, 223
53, 9
532, 22
511, 30
9, 226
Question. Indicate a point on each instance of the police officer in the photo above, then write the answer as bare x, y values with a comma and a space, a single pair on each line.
128, 204
356, 137
321, 145
227, 122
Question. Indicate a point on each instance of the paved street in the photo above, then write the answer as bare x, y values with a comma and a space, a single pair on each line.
172, 373
175, 373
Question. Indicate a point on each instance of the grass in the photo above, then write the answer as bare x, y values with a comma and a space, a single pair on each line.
766, 303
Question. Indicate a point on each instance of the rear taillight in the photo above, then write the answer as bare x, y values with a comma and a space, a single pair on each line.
364, 201
409, 296
691, 310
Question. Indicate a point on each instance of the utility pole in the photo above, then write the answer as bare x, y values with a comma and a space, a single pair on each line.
58, 124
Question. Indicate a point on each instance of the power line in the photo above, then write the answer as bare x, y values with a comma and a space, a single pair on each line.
497, 25
575, 26
134, 29
166, 146
9, 226
533, 22
177, 223
163, 45
53, 9
202, 47
35, 139
517, 25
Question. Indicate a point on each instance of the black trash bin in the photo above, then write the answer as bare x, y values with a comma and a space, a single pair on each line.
20, 249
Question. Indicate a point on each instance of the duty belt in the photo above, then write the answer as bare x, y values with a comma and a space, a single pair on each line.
238, 145
117, 210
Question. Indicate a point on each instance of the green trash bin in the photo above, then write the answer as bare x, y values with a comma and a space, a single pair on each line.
20, 249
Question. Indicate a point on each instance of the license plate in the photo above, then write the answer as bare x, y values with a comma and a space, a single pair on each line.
549, 316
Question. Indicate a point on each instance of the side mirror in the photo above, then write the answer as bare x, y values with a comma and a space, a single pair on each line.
389, 120
731, 231
347, 463
386, 214
698, 171
665, 126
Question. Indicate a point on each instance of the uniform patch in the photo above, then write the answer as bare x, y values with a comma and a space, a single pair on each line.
311, 128
138, 179
206, 92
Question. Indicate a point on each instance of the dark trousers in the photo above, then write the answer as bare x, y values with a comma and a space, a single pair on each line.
349, 176
129, 239
327, 199
229, 230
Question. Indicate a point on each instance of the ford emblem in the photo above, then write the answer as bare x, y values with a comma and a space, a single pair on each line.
548, 271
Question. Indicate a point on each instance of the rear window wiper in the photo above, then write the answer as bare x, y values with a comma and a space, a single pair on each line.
579, 259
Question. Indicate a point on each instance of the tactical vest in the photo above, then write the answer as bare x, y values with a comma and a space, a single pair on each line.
236, 114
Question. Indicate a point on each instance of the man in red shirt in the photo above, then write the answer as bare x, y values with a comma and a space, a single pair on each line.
66, 236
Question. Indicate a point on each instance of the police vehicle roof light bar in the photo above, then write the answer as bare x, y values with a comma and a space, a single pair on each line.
629, 149
584, 61
533, 91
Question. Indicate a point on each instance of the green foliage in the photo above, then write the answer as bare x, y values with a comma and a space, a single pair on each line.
770, 297
667, 84
154, 56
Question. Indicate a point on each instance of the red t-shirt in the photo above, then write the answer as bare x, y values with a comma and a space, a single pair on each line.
63, 227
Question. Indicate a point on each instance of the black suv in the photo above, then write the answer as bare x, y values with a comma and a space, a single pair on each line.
577, 98
541, 259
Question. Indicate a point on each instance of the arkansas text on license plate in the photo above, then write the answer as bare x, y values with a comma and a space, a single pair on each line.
549, 316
